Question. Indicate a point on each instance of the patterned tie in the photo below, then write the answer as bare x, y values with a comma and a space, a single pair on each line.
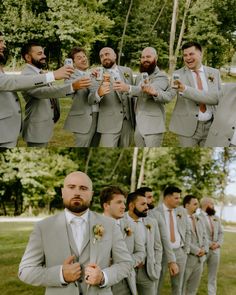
200, 87
172, 229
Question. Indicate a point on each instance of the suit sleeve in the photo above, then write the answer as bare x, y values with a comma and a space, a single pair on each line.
32, 269
208, 97
21, 82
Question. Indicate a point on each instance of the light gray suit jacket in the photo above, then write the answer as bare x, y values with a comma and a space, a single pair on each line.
224, 123
150, 110
38, 122
182, 225
184, 118
79, 119
51, 243
113, 107
10, 110
218, 236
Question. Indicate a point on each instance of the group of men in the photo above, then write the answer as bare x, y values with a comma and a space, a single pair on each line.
123, 252
110, 109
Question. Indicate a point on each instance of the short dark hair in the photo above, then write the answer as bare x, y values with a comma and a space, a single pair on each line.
144, 189
27, 47
75, 50
106, 195
132, 197
170, 190
191, 44
1, 33
187, 199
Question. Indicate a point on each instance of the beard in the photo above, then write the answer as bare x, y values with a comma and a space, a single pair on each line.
77, 206
3, 58
151, 206
40, 64
210, 211
140, 213
148, 67
108, 64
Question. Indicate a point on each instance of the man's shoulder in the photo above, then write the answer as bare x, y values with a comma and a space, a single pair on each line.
207, 68
99, 218
28, 70
51, 220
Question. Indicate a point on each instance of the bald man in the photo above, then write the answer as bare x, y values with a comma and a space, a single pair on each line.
70, 253
112, 95
151, 96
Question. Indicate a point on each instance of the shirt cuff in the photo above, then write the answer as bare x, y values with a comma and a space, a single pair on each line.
98, 98
63, 282
50, 77
105, 280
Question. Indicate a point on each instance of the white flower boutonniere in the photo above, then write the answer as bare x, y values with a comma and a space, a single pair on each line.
149, 226
128, 231
211, 78
98, 231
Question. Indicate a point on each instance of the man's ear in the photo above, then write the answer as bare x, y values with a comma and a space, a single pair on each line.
27, 57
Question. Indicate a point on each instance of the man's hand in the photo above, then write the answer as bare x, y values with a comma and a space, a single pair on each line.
63, 73
214, 246
93, 274
120, 86
84, 82
149, 90
178, 85
173, 268
104, 89
201, 253
140, 265
71, 271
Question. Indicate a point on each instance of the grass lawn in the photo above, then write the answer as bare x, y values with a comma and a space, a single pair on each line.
14, 237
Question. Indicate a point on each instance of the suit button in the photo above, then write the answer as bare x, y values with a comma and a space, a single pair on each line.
51, 107
121, 112
197, 104
229, 139
17, 99
19, 111
196, 115
233, 127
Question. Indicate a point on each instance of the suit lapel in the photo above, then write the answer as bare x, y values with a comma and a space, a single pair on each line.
74, 250
189, 77
93, 241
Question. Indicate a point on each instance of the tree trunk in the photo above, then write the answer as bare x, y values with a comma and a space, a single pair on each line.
172, 58
124, 31
117, 163
142, 169
134, 169
158, 17
88, 160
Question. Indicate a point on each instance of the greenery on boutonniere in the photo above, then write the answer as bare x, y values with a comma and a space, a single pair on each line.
211, 78
128, 231
149, 226
126, 75
98, 231
179, 215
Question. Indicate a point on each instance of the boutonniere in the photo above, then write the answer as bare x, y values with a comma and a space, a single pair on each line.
128, 231
211, 78
149, 226
179, 215
197, 218
215, 219
126, 75
98, 231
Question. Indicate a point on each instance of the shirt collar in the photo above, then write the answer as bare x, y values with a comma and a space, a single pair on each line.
69, 216
201, 69
166, 208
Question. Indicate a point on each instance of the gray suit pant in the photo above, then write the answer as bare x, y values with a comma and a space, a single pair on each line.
8, 144
144, 285
198, 138
176, 281
213, 261
121, 139
192, 275
85, 139
149, 140
122, 288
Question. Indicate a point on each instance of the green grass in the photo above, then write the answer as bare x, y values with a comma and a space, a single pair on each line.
14, 237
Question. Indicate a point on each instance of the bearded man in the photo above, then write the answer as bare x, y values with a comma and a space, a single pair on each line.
151, 95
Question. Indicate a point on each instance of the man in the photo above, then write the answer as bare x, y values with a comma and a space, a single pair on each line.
70, 253
148, 193
82, 118
10, 111
147, 273
215, 236
150, 101
196, 99
114, 118
222, 131
198, 247
112, 200
42, 108
178, 232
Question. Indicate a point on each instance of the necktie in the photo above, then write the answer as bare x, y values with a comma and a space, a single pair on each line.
193, 223
78, 225
212, 227
200, 87
172, 229
55, 106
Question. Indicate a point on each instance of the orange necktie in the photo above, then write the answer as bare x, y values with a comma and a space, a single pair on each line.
172, 229
200, 87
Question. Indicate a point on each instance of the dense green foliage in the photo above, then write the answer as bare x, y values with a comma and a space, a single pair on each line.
62, 24
31, 179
